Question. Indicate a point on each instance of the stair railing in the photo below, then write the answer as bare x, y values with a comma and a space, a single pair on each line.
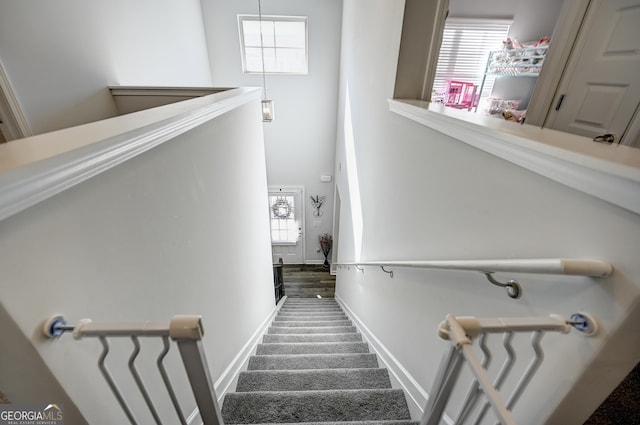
278, 280
185, 331
461, 332
553, 266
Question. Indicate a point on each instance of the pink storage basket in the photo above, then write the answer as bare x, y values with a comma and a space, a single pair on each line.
461, 94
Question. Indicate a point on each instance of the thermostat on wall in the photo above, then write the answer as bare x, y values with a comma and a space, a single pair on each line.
325, 178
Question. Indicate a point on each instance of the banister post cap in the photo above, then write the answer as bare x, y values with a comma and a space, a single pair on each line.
186, 327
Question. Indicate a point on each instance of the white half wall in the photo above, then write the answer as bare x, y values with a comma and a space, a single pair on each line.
61, 56
411, 193
300, 142
179, 229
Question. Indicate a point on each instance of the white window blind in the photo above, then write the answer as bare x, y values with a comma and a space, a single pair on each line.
465, 48
284, 39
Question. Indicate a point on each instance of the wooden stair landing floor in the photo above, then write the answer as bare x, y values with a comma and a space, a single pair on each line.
308, 281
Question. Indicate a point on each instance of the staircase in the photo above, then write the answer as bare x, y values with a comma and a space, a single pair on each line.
313, 367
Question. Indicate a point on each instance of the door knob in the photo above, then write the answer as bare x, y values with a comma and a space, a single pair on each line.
605, 138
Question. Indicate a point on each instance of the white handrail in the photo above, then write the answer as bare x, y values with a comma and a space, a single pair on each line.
555, 266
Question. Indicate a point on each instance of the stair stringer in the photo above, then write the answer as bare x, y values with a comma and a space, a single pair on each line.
400, 377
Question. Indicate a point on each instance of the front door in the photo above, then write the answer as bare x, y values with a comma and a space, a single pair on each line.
286, 210
600, 93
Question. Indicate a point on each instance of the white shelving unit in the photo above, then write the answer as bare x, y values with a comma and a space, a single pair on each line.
523, 62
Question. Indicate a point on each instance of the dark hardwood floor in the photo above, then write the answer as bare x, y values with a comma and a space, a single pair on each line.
308, 281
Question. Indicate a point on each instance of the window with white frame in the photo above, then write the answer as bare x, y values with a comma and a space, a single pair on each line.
282, 47
465, 48
284, 227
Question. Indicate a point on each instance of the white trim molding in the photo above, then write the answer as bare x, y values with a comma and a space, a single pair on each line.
607, 172
230, 375
416, 395
11, 110
42, 166
239, 362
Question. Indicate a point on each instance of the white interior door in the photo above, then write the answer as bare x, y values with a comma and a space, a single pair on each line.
600, 92
286, 210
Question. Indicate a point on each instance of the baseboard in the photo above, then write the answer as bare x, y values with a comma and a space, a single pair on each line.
239, 362
195, 415
416, 395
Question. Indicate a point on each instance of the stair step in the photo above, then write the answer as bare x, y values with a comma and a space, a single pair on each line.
312, 348
310, 312
314, 324
311, 302
310, 309
304, 406
279, 330
328, 337
313, 361
352, 423
295, 318
310, 380
311, 306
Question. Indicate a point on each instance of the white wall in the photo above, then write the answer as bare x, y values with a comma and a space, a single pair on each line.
168, 232
300, 141
421, 195
61, 56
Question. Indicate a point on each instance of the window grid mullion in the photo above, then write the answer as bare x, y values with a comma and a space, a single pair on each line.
289, 63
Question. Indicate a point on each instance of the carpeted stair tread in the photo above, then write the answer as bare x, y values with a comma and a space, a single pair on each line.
312, 348
306, 302
309, 310
314, 368
310, 380
310, 313
309, 318
348, 423
316, 323
304, 406
310, 306
273, 330
313, 361
327, 337
318, 309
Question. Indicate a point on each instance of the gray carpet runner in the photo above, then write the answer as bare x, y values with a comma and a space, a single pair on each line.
313, 367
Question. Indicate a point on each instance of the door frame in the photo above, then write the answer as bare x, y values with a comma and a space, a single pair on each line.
284, 188
337, 208
14, 123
